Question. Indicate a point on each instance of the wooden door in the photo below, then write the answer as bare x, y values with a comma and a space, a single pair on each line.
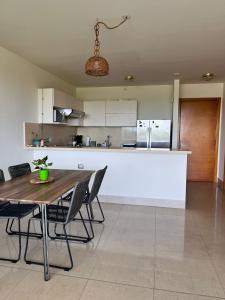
199, 122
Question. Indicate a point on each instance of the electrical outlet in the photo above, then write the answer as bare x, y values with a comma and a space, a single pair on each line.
80, 166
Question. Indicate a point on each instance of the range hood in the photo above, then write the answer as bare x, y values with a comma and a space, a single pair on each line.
70, 113
76, 114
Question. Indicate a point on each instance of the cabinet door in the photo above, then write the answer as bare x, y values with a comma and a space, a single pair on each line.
94, 113
45, 105
121, 106
60, 99
121, 120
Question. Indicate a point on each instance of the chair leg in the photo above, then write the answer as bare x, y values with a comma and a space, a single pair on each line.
74, 238
92, 215
27, 240
85, 227
41, 263
7, 225
10, 231
69, 251
19, 252
91, 211
100, 207
90, 222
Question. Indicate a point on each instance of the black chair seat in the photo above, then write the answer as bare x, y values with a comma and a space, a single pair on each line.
17, 210
55, 213
3, 204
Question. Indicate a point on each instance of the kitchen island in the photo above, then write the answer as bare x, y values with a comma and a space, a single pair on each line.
134, 176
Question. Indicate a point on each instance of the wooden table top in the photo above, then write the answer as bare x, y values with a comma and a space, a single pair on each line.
20, 188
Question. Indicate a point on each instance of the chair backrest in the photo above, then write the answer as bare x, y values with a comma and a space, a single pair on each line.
2, 177
77, 198
97, 184
19, 170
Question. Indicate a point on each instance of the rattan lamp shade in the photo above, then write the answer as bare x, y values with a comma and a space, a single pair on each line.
97, 66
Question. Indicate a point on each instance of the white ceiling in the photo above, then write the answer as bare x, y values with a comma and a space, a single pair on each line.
162, 37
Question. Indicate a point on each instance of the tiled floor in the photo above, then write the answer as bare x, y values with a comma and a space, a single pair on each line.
140, 253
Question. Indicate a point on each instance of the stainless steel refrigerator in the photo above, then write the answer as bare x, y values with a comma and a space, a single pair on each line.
154, 134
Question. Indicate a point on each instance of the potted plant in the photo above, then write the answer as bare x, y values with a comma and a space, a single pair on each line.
42, 166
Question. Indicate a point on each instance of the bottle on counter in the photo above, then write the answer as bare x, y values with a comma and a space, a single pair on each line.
42, 143
88, 141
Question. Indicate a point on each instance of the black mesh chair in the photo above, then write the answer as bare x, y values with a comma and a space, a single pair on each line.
89, 198
17, 171
61, 215
15, 212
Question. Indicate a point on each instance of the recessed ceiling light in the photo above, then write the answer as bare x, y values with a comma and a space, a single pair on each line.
176, 74
129, 77
208, 76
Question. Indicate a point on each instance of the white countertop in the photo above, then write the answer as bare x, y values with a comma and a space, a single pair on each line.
111, 149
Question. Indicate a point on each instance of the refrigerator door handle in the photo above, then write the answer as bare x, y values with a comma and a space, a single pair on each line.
149, 145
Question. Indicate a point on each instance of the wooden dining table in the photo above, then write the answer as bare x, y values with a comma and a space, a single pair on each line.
20, 189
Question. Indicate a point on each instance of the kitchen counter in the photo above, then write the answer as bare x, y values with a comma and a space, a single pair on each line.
134, 176
111, 149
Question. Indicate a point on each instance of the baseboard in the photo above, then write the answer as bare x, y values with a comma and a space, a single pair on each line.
220, 183
143, 201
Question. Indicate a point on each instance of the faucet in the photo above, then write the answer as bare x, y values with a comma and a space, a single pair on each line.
107, 141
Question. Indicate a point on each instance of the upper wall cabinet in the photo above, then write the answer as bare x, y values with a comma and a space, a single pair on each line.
94, 113
48, 98
121, 107
121, 113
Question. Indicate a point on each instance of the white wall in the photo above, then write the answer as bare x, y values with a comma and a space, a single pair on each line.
19, 80
201, 90
154, 102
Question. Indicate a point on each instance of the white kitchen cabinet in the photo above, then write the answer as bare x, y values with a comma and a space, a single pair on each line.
45, 105
121, 113
48, 98
121, 119
94, 113
121, 107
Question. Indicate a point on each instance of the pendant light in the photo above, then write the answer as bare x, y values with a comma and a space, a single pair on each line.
98, 65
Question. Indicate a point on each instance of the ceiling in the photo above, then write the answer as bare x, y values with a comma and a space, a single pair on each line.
161, 38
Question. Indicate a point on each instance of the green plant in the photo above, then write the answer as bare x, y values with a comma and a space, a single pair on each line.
41, 164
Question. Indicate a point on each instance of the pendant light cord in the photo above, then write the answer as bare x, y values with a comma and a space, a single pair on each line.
96, 29
125, 18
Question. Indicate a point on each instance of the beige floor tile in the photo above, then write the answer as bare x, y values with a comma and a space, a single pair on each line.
124, 268
177, 245
32, 286
125, 275
164, 295
9, 279
208, 285
98, 290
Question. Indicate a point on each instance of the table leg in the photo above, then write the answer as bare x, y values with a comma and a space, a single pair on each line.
45, 241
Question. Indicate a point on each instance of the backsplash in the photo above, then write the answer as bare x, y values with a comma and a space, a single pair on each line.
118, 135
59, 135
